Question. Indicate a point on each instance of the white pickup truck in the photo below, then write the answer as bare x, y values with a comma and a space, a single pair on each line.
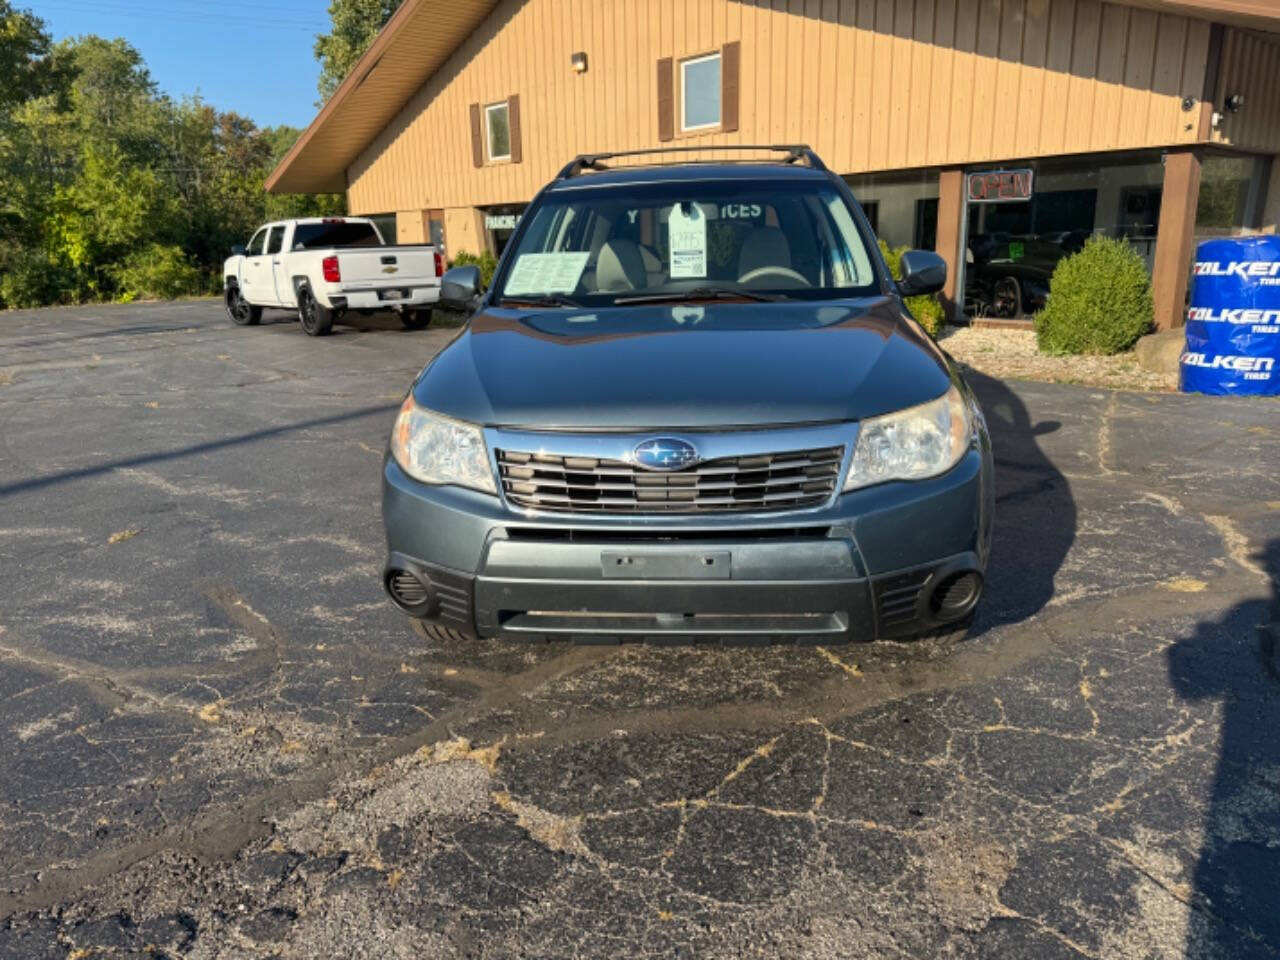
323, 267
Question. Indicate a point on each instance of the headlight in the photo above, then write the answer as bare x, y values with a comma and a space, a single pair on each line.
436, 449
911, 444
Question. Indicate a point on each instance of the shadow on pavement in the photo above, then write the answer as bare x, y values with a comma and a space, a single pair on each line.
81, 473
1036, 513
1236, 889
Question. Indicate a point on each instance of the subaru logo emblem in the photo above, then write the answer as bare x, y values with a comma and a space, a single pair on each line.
665, 453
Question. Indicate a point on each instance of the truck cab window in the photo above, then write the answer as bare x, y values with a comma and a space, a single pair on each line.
276, 241
335, 233
255, 245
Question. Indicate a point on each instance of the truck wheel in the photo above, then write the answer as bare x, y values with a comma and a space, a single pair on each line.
317, 320
240, 310
416, 319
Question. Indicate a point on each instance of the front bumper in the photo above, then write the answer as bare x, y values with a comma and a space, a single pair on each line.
870, 565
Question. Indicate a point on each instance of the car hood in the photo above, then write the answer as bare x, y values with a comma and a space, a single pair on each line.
660, 367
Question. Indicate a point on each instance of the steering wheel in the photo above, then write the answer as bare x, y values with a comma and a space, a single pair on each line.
779, 271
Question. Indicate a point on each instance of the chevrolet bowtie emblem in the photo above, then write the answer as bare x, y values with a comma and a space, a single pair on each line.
390, 269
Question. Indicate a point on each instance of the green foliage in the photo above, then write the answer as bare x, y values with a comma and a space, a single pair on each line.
927, 309
109, 189
25, 62
30, 278
156, 272
353, 25
486, 261
1099, 300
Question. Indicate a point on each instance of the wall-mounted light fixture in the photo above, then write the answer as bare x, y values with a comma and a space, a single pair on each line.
1234, 102
579, 62
1188, 104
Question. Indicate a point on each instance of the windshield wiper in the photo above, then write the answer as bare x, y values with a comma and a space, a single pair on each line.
700, 293
553, 300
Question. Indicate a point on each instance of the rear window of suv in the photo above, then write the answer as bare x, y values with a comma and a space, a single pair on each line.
307, 236
599, 244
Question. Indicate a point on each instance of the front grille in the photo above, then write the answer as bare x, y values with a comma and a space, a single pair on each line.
777, 481
667, 535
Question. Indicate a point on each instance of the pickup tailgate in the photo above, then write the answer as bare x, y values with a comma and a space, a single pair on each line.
401, 266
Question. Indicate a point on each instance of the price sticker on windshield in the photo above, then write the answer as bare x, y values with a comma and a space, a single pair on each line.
688, 235
542, 273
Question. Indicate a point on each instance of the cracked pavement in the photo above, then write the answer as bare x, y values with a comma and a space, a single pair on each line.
221, 741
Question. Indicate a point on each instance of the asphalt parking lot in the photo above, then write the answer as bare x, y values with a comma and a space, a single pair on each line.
221, 741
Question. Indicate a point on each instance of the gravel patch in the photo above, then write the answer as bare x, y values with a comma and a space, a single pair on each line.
1012, 355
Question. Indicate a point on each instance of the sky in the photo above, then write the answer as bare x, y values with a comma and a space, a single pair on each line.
253, 58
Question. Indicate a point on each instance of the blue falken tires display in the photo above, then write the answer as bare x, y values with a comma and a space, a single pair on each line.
1233, 324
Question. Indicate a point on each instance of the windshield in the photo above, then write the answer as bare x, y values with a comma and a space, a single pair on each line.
338, 233
689, 240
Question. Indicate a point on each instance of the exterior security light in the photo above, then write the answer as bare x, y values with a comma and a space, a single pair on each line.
579, 62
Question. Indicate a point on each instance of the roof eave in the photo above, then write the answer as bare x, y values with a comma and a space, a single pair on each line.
278, 182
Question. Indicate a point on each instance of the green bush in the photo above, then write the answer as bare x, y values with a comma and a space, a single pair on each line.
486, 261
1099, 300
157, 272
30, 279
925, 308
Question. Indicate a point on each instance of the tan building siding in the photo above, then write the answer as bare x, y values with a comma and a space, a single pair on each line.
1251, 68
872, 84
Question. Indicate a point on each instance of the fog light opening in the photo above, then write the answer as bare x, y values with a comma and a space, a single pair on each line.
407, 590
955, 595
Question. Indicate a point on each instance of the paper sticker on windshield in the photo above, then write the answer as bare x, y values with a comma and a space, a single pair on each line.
688, 235
546, 273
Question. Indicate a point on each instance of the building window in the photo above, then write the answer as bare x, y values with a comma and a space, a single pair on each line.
497, 124
902, 208
700, 92
1012, 248
1228, 202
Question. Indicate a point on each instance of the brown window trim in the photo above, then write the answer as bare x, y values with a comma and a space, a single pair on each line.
479, 113
730, 93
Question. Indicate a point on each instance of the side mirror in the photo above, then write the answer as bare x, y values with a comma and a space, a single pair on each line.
237, 250
459, 287
923, 271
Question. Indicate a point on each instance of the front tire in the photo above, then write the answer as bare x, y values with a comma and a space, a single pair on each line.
415, 319
240, 310
317, 319
435, 633
949, 633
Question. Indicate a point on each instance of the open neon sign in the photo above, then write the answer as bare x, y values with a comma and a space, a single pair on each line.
999, 186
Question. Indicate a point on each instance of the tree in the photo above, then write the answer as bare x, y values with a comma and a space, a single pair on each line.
354, 24
111, 190
25, 62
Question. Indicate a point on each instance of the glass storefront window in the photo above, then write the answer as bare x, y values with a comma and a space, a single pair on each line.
1013, 247
902, 208
386, 224
1227, 188
500, 223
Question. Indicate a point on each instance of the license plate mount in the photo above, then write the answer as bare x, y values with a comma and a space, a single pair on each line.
666, 565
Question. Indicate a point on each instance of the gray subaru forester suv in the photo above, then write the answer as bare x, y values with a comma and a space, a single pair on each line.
691, 405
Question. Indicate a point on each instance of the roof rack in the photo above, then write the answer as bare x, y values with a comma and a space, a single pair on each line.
595, 161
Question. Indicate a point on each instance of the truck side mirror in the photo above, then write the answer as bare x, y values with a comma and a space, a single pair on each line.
923, 271
237, 249
459, 287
